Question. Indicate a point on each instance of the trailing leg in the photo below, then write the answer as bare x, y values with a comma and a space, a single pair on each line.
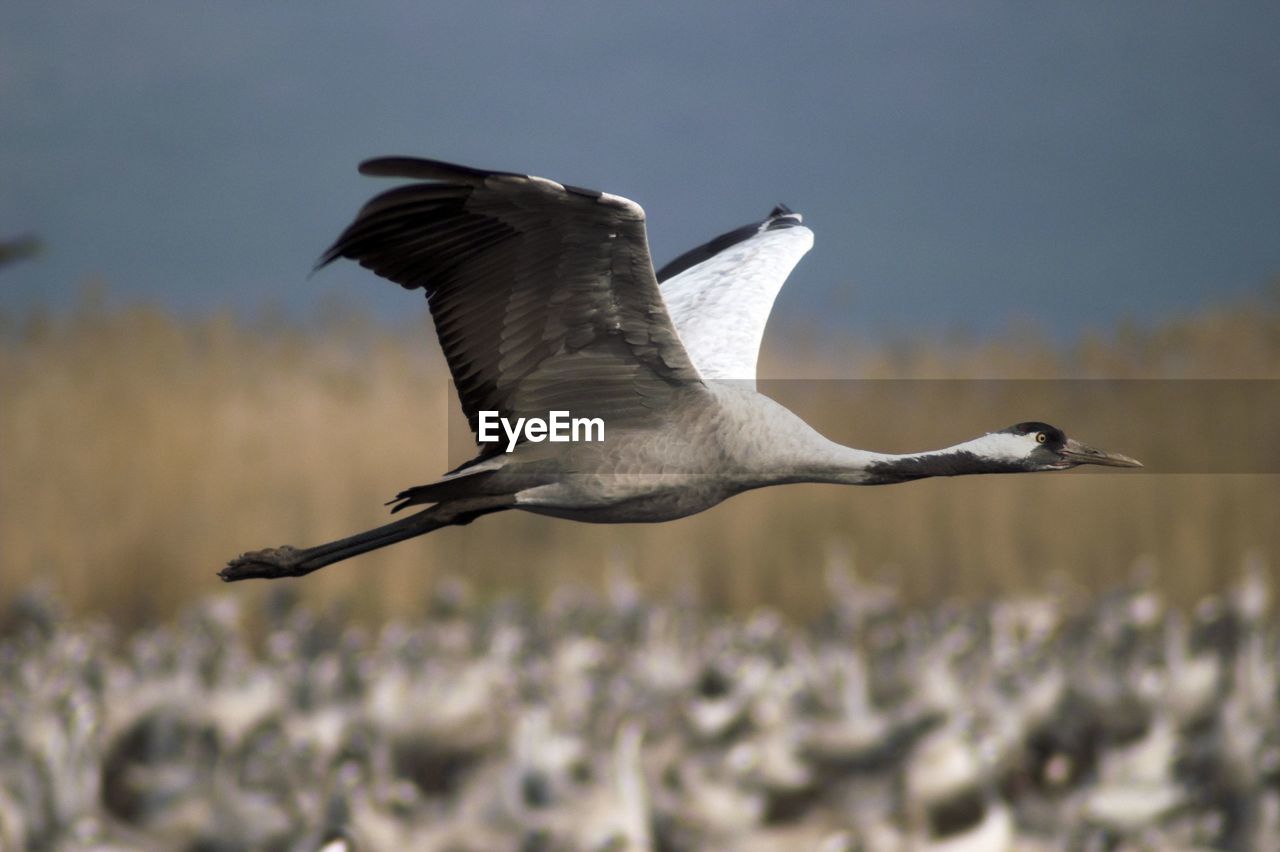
288, 561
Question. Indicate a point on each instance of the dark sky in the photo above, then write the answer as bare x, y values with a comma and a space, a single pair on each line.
963, 165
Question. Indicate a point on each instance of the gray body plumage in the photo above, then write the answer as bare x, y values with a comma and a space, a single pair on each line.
544, 298
722, 438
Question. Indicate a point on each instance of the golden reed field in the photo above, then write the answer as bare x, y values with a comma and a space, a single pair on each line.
139, 451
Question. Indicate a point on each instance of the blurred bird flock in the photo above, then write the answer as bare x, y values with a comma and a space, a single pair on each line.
1055, 662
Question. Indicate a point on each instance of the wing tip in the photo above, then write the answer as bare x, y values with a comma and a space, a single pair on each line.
425, 169
421, 168
781, 216
624, 204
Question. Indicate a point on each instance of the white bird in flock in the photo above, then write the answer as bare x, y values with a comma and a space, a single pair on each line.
545, 300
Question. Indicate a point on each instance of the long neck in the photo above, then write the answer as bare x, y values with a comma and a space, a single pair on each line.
847, 465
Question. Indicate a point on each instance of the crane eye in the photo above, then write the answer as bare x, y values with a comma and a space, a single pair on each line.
1041, 437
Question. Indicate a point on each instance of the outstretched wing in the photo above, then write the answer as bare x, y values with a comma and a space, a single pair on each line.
543, 295
720, 294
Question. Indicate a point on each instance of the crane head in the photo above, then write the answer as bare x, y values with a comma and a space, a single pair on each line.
1038, 446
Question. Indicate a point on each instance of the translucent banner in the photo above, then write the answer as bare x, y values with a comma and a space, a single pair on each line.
1207, 426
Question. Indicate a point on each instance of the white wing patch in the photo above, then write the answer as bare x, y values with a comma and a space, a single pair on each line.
720, 306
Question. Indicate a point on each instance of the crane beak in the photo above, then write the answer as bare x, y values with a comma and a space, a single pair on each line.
1078, 453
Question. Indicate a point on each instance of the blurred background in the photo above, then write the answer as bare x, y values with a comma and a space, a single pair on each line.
1064, 213
997, 192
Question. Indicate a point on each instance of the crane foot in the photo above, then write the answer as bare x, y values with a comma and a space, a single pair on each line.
265, 564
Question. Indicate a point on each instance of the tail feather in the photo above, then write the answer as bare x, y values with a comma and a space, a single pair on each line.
443, 490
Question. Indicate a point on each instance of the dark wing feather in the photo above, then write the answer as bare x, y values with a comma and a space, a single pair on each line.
543, 295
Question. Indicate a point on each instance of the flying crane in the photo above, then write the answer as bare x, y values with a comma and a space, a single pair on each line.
545, 300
